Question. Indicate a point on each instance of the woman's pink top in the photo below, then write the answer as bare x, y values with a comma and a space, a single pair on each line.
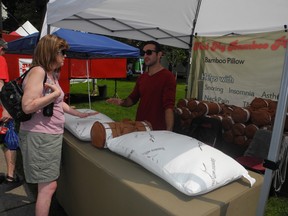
43, 124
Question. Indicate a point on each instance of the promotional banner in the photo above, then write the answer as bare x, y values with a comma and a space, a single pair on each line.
24, 65
236, 69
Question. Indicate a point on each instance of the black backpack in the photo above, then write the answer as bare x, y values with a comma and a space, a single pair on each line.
11, 98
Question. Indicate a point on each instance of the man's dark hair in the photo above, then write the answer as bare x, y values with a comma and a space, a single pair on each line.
158, 47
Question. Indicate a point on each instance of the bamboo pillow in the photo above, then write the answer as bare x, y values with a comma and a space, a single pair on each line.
189, 165
81, 127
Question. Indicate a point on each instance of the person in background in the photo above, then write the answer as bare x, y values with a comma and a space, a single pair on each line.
41, 136
10, 180
155, 90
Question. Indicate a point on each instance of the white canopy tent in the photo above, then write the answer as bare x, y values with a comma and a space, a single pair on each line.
222, 17
169, 22
26, 29
174, 23
141, 20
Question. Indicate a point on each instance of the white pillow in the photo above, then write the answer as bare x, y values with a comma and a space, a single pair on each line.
189, 165
81, 127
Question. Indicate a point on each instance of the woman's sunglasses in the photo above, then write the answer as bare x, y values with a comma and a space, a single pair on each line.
62, 52
147, 52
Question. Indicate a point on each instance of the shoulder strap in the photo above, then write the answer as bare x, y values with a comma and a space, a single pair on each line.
22, 77
45, 78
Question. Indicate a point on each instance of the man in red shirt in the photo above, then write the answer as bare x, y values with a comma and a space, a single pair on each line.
155, 90
11, 180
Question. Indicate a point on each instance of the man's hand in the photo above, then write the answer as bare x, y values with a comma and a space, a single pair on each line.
115, 101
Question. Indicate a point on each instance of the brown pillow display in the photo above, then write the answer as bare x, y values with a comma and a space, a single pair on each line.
240, 115
261, 117
192, 105
205, 108
238, 129
258, 103
250, 130
182, 102
227, 122
101, 132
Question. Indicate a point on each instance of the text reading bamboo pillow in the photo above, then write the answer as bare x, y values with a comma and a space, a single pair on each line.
189, 165
81, 127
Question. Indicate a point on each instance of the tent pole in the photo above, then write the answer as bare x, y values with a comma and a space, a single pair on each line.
95, 90
115, 89
189, 69
88, 83
276, 139
1, 21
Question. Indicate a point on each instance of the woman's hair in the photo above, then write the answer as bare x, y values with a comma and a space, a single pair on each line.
46, 51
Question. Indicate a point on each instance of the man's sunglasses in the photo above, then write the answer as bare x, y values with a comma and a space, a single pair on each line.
62, 52
147, 52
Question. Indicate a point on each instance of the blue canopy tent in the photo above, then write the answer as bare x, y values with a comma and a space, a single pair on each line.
23, 45
82, 45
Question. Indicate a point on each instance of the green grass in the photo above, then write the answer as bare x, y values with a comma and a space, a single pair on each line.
277, 206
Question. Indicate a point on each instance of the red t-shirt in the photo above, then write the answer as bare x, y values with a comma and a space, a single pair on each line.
3, 69
3, 75
156, 94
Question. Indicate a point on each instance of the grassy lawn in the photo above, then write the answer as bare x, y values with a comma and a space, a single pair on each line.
277, 206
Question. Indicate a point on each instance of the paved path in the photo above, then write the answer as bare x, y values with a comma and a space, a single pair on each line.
17, 202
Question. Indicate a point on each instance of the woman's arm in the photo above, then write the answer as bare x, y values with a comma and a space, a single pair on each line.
33, 99
68, 109
5, 115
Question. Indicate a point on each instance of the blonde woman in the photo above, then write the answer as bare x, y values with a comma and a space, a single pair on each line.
41, 136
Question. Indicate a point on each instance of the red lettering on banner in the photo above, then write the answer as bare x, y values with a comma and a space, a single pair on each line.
279, 42
25, 67
235, 46
218, 45
200, 46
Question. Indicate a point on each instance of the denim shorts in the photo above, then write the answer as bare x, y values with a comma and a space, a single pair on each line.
41, 154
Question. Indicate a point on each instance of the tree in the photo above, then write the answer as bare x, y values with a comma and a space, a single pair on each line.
20, 11
175, 56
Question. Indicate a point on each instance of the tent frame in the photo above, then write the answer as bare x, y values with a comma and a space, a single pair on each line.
276, 139
130, 28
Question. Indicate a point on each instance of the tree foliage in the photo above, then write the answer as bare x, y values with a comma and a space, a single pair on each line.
20, 11
175, 56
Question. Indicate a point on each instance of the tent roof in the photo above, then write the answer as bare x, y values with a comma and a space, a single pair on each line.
82, 45
24, 45
168, 22
134, 19
26, 29
221, 17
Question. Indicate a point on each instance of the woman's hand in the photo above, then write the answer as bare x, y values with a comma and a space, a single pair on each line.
86, 114
54, 89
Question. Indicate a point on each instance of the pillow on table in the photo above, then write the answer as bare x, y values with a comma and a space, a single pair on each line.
101, 132
81, 127
189, 165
